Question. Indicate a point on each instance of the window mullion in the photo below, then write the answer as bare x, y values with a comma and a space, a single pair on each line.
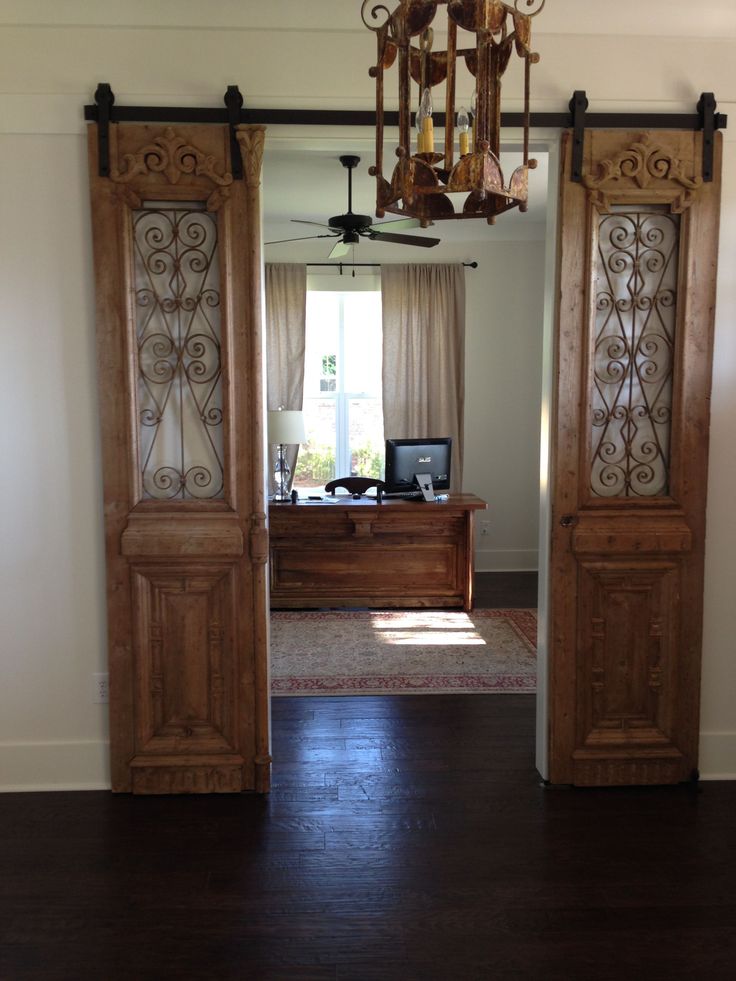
342, 455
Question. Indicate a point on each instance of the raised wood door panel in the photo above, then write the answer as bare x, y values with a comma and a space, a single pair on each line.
188, 692
180, 356
631, 640
637, 263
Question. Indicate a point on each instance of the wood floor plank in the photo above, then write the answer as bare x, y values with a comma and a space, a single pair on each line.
407, 838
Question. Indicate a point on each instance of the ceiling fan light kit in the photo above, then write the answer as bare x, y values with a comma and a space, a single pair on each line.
423, 179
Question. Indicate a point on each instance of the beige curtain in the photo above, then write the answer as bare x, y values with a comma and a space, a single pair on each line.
424, 354
286, 311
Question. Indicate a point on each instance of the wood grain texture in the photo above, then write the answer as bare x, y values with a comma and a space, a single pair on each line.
627, 573
186, 590
358, 553
405, 837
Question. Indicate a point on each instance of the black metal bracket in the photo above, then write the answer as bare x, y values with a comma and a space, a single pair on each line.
103, 114
234, 103
710, 121
578, 107
707, 120
104, 100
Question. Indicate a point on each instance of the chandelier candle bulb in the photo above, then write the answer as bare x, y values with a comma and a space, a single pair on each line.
425, 112
473, 113
427, 135
463, 125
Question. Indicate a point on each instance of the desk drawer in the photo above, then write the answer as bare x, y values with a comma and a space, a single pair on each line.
307, 574
298, 526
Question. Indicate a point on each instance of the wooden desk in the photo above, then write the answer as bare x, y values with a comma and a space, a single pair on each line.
359, 553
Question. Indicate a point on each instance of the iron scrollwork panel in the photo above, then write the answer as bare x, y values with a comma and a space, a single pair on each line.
179, 363
635, 282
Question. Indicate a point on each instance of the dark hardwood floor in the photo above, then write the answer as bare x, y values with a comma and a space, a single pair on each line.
514, 590
407, 838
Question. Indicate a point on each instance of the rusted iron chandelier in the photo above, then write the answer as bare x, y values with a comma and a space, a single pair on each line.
423, 179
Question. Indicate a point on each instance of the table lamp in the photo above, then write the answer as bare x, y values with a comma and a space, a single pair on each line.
285, 428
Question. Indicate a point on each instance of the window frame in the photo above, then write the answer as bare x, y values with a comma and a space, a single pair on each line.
341, 396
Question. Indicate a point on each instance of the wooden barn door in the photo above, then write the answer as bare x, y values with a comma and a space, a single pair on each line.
178, 307
638, 249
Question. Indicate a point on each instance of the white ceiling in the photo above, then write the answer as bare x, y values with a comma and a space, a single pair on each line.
312, 185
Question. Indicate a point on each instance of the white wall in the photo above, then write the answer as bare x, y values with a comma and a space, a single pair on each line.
51, 57
718, 700
503, 377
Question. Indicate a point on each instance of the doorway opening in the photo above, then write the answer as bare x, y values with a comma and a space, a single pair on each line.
506, 570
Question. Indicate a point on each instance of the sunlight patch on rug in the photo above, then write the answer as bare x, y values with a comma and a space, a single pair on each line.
399, 652
428, 628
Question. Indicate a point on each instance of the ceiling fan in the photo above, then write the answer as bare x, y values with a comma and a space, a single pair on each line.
349, 228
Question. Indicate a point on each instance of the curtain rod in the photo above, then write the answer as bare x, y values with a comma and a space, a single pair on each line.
352, 265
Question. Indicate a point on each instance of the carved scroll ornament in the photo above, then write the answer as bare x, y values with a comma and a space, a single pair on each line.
644, 165
251, 140
171, 156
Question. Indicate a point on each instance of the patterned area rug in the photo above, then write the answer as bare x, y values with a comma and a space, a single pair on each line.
399, 652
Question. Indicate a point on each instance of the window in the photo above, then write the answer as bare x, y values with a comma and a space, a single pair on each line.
342, 388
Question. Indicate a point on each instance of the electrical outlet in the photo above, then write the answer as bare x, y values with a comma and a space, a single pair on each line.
101, 688
485, 527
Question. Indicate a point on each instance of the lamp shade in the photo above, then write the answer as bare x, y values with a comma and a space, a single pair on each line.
286, 426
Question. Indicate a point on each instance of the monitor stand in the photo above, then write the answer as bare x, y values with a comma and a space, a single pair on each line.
424, 480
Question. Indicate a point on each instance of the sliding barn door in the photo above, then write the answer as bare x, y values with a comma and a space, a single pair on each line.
178, 291
638, 248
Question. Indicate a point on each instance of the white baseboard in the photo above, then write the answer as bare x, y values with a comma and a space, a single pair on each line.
717, 757
28, 767
506, 560
83, 765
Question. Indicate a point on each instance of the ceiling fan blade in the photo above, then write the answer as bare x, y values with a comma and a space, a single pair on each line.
303, 221
397, 223
303, 238
339, 250
425, 243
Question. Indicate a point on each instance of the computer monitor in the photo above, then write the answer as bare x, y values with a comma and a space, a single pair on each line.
407, 458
